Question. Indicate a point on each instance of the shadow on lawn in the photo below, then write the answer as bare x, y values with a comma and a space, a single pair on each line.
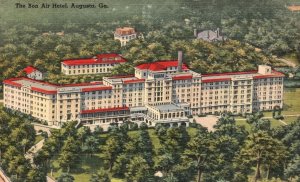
87, 164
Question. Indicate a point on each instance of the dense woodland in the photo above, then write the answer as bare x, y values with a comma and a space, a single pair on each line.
230, 153
256, 30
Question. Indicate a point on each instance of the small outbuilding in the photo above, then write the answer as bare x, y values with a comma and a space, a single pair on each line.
33, 73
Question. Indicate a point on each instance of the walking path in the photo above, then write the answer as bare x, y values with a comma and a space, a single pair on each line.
293, 115
289, 63
34, 149
282, 122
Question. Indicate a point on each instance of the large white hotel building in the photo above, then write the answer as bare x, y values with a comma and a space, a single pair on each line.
158, 92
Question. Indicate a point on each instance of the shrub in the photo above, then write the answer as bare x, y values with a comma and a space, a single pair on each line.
143, 126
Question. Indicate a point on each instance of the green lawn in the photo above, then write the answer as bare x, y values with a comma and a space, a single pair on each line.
86, 166
243, 123
291, 101
275, 123
268, 114
290, 119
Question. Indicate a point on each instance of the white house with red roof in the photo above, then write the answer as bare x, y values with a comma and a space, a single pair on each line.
100, 64
124, 35
33, 73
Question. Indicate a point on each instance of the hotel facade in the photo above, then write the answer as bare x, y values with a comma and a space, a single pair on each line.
158, 92
99, 64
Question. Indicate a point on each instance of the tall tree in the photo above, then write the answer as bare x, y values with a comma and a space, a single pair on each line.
293, 168
111, 150
200, 151
138, 170
145, 146
260, 148
100, 176
69, 154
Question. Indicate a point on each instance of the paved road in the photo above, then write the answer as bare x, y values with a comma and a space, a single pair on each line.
50, 179
3, 177
289, 63
39, 127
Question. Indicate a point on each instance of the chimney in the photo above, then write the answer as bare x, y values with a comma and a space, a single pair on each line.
218, 32
195, 32
179, 67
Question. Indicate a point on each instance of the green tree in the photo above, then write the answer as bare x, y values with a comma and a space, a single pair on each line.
145, 147
36, 175
82, 134
101, 176
226, 126
165, 162
138, 170
69, 154
260, 147
111, 150
200, 151
120, 167
293, 168
91, 145
65, 177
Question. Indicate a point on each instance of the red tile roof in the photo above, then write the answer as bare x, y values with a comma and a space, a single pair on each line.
105, 110
44, 91
96, 88
108, 55
134, 81
122, 76
255, 74
275, 74
82, 84
160, 65
97, 85
30, 69
230, 73
216, 80
12, 83
184, 77
278, 73
100, 59
125, 31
